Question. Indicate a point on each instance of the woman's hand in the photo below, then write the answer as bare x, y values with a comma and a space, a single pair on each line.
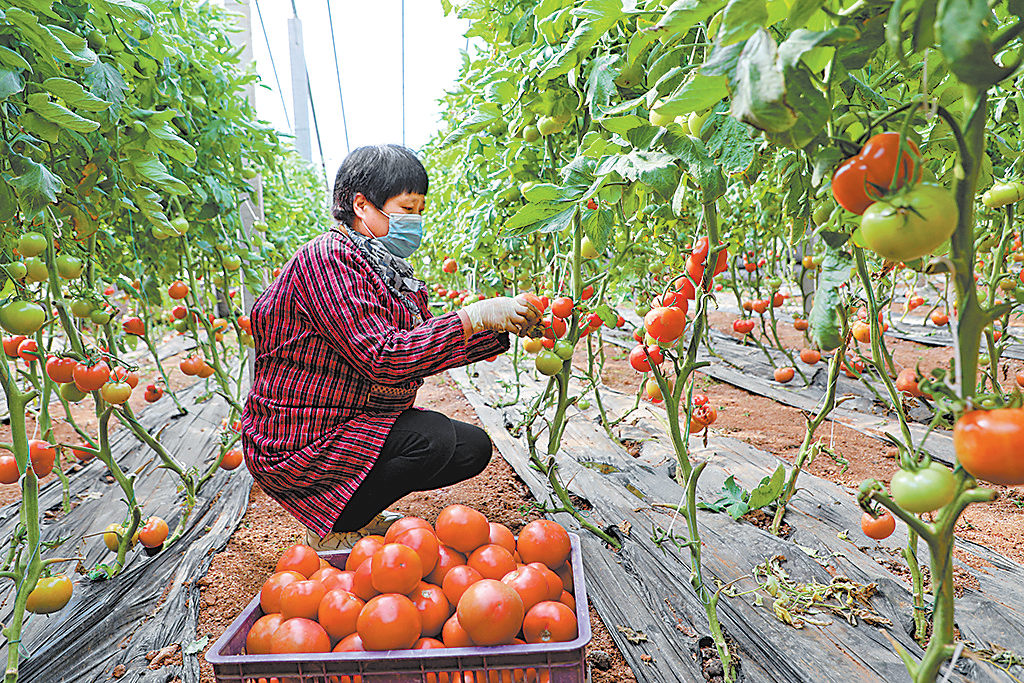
502, 314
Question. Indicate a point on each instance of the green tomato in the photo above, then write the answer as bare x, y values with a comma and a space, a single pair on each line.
232, 262
775, 282
1001, 194
17, 270
583, 404
71, 393
548, 363
70, 267
259, 226
984, 360
588, 250
81, 308
180, 224
36, 270
180, 325
100, 316
546, 126
911, 224
928, 489
822, 213
32, 244
642, 309
50, 595
531, 133
563, 349
22, 317
695, 122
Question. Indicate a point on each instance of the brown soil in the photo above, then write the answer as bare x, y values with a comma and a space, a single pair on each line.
237, 573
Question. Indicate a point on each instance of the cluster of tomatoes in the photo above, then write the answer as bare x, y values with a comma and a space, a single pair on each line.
902, 218
463, 582
551, 349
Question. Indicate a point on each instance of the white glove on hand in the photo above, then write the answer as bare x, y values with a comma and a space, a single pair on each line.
503, 314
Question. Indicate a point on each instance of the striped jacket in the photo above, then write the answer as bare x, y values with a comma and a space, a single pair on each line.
338, 357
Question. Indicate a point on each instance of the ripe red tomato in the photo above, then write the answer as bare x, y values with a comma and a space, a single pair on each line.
257, 641
302, 599
587, 292
9, 473
153, 533
447, 558
939, 318
433, 606
760, 306
544, 541
119, 374
11, 345
555, 585
453, 635
457, 580
299, 635
424, 543
810, 356
988, 445
42, 455
134, 325
561, 307
501, 535
743, 325
492, 561
450, 265
338, 612
462, 528
389, 622
270, 593
800, 324
395, 568
530, 583
880, 154
784, 375
177, 290
704, 415
232, 459
665, 323
491, 612
61, 370
298, 558
28, 350
550, 622
91, 377
878, 527
363, 550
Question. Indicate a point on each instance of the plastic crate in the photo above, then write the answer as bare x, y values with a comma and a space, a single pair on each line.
542, 663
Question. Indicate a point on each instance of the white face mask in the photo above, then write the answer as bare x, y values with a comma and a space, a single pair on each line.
405, 231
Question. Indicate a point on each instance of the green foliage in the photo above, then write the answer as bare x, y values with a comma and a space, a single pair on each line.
737, 501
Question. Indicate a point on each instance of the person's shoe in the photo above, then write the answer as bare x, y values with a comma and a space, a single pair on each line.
344, 540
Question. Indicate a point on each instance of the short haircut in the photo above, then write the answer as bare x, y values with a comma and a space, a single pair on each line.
380, 173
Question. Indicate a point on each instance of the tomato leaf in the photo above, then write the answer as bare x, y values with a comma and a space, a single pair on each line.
35, 185
731, 143
826, 327
768, 490
51, 111
12, 59
598, 16
10, 83
962, 32
697, 93
732, 500
74, 94
601, 83
801, 11
149, 167
599, 225
741, 19
682, 15
704, 171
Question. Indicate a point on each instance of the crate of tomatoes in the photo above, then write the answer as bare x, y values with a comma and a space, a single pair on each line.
459, 601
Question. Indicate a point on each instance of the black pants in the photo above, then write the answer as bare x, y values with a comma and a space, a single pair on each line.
425, 450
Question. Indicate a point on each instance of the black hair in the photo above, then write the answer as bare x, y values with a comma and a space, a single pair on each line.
379, 172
